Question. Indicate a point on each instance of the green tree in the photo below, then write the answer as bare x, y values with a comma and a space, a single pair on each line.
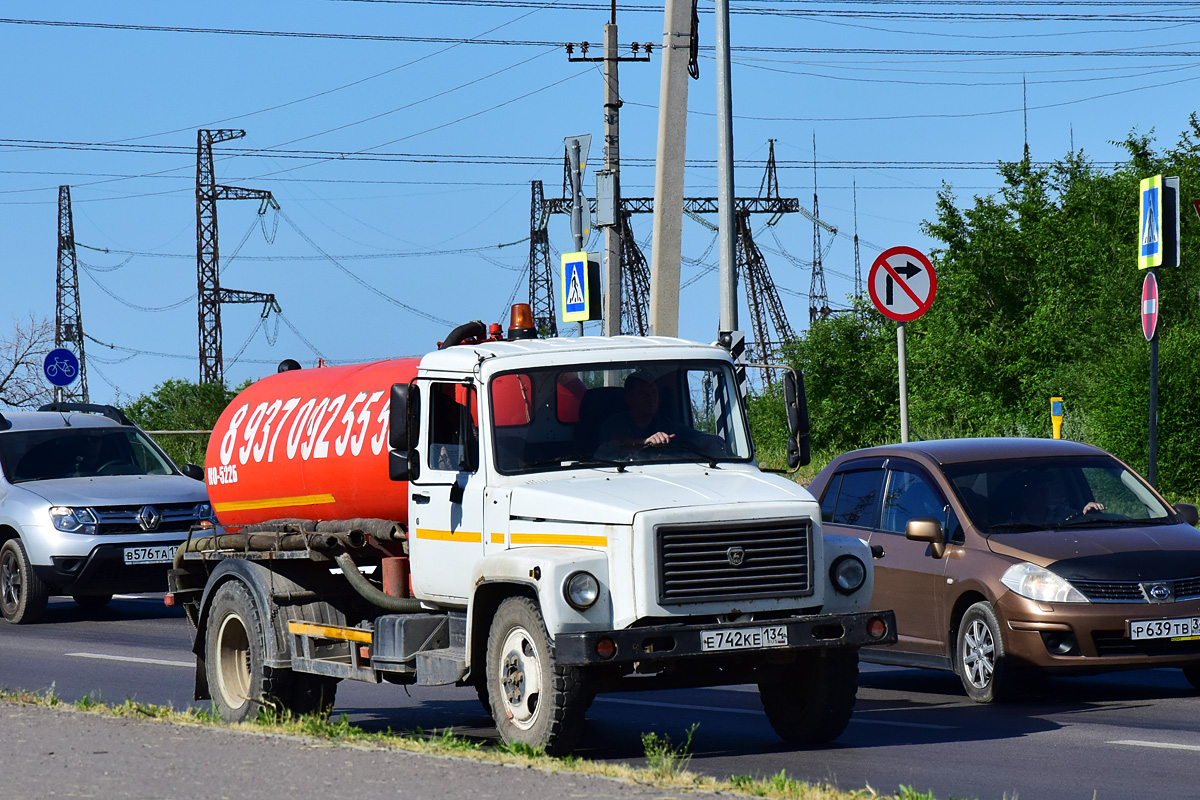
179, 405
1037, 296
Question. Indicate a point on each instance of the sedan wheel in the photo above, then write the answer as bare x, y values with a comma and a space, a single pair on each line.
980, 659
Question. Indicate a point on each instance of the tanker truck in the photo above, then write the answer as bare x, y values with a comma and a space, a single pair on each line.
541, 520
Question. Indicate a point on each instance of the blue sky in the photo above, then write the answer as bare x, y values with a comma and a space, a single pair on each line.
401, 152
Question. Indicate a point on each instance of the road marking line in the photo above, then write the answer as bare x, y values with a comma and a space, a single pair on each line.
1160, 745
159, 661
687, 707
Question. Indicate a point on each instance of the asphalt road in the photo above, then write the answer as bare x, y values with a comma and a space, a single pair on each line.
1124, 735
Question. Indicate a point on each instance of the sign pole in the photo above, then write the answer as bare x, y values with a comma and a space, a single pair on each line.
902, 358
1152, 472
902, 284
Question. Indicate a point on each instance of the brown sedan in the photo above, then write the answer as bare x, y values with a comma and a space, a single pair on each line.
1002, 557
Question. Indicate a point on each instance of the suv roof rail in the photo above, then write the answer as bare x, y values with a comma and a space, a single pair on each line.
112, 412
4, 423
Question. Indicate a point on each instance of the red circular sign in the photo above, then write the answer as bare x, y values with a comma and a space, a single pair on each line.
1149, 305
902, 283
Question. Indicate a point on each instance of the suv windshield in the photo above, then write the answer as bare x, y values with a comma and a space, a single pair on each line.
617, 414
79, 453
1046, 493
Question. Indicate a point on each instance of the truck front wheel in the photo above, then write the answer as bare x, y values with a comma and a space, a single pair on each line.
810, 701
534, 701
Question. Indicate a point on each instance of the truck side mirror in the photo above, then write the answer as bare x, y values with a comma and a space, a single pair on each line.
798, 446
927, 529
404, 414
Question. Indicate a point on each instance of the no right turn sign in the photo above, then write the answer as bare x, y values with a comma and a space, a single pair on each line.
902, 283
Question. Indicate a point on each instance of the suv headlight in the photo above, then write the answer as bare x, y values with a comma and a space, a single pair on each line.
1039, 583
74, 520
203, 511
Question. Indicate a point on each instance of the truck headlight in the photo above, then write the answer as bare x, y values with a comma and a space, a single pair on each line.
848, 574
581, 590
1039, 583
74, 520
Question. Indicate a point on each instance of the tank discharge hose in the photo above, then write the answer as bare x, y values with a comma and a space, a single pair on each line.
474, 329
369, 592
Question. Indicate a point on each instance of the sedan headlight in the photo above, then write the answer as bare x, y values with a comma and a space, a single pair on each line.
1039, 583
581, 590
74, 520
848, 574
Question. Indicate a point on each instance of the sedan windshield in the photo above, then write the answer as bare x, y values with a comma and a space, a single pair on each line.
79, 453
1048, 493
617, 415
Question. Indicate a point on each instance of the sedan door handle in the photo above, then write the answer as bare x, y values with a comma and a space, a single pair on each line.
420, 498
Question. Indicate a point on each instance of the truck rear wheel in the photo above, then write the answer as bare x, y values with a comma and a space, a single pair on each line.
810, 702
23, 596
534, 701
237, 678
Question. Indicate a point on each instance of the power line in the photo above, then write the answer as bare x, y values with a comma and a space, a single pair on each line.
1115, 53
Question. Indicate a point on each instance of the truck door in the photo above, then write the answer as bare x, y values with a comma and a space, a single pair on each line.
446, 500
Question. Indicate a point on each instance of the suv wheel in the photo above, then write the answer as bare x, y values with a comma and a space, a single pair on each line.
23, 596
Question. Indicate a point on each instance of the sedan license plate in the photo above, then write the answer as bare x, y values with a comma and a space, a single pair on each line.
744, 638
159, 554
1180, 628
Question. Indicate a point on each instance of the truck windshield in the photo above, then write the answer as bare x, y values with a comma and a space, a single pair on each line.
625, 413
79, 453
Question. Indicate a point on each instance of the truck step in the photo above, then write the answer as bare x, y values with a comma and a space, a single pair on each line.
441, 667
333, 650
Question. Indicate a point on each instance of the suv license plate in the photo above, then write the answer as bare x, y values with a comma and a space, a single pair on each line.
1179, 628
744, 638
160, 554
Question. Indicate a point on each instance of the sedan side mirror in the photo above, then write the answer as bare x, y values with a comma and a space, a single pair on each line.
1189, 513
927, 529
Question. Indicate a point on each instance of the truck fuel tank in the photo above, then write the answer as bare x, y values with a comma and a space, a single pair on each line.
309, 444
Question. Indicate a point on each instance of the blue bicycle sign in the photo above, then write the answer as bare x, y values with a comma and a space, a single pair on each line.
61, 367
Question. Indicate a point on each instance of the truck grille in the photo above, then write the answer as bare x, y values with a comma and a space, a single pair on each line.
737, 560
121, 520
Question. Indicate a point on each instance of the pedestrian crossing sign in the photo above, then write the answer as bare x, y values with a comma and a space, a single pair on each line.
1150, 224
580, 297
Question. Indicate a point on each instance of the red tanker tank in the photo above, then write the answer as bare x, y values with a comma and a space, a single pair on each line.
308, 443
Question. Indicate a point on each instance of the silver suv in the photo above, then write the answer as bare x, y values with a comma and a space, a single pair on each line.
89, 506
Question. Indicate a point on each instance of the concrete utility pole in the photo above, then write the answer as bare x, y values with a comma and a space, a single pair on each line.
667, 239
726, 235
608, 203
612, 165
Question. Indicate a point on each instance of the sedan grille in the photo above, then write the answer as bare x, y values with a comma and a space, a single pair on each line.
1131, 591
739, 560
122, 520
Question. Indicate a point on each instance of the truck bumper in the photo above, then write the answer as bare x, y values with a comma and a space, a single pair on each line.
664, 643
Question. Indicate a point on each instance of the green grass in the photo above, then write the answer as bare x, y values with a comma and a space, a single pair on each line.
666, 762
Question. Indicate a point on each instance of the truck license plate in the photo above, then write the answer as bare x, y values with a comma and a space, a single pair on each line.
159, 554
744, 638
1179, 628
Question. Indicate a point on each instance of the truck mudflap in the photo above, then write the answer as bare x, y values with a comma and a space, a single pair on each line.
663, 643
